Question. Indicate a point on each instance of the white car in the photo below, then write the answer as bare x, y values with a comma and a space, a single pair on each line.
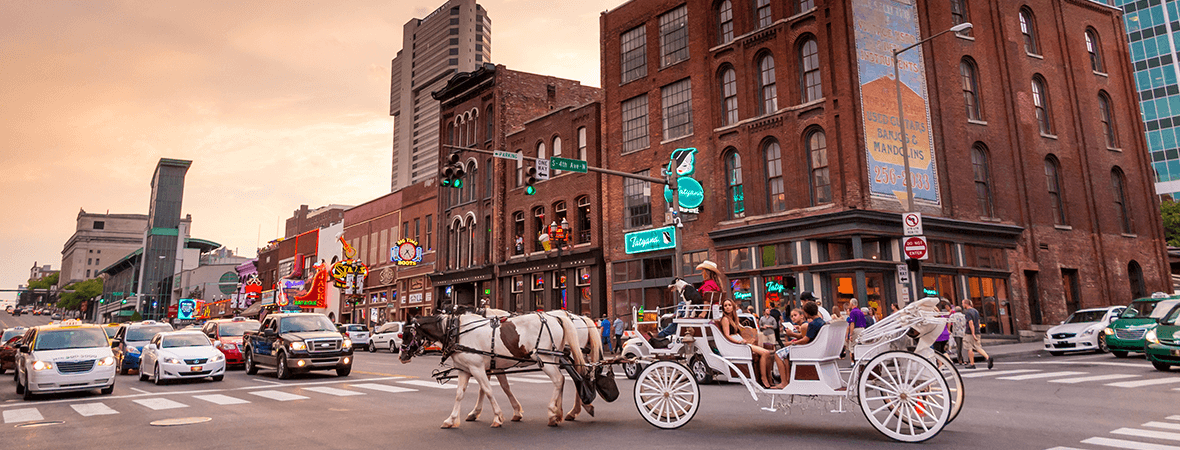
387, 336
64, 357
181, 354
358, 334
1082, 331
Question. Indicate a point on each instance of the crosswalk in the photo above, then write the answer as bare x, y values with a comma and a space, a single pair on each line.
1118, 380
1141, 438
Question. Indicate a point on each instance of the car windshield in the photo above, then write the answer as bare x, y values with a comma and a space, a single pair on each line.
299, 324
1163, 308
145, 333
184, 340
70, 338
9, 334
1139, 310
1086, 316
111, 331
392, 326
232, 329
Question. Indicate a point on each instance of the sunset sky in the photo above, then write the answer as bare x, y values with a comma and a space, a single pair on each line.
278, 104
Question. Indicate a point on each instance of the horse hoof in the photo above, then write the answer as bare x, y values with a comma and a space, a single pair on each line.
570, 417
472, 417
553, 422
447, 425
496, 424
589, 409
517, 418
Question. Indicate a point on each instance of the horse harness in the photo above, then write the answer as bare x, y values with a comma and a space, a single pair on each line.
454, 331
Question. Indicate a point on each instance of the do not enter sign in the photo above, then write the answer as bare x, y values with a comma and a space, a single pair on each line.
915, 247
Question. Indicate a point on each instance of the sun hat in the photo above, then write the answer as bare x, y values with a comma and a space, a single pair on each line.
708, 265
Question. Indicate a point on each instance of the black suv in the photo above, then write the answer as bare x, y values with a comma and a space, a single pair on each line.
297, 342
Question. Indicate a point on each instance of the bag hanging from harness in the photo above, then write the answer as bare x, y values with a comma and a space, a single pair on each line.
604, 383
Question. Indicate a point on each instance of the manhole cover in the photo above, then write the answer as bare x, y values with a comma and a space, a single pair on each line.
40, 424
180, 421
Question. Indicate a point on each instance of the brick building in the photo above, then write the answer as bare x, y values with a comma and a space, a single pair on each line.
294, 259
791, 106
303, 220
494, 108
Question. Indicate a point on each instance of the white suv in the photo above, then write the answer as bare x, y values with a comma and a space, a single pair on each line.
358, 334
387, 336
64, 357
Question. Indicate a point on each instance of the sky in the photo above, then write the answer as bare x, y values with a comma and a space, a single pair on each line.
277, 103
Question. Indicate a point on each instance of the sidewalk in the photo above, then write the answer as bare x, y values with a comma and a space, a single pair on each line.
1013, 350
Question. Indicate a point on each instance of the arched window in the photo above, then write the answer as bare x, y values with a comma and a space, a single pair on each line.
556, 152
767, 94
1053, 184
518, 233
584, 224
473, 128
450, 133
970, 89
1118, 183
489, 124
725, 22
983, 190
540, 150
1107, 119
460, 132
559, 214
806, 5
519, 171
487, 178
461, 246
1041, 103
582, 144
539, 225
762, 13
729, 105
1029, 30
809, 77
1094, 50
1135, 278
471, 242
960, 14
470, 186
733, 183
487, 239
817, 160
776, 197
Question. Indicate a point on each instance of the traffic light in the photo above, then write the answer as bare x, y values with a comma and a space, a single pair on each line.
452, 175
530, 179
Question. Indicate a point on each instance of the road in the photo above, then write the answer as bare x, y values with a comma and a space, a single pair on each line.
1084, 401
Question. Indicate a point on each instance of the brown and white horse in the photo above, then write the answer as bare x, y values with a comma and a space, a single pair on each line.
478, 337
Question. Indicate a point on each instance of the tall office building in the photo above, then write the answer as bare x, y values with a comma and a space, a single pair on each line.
456, 37
162, 240
1151, 28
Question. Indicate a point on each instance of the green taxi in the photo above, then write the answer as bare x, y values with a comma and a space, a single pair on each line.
1163, 342
1127, 333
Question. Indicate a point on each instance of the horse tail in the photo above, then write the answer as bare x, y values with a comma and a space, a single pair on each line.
570, 335
595, 341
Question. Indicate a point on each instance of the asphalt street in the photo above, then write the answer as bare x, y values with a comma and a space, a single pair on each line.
1086, 401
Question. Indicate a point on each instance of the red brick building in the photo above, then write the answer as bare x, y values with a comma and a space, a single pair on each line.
791, 106
303, 219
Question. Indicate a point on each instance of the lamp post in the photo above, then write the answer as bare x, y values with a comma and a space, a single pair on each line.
909, 186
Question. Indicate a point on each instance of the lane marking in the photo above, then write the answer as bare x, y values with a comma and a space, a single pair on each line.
429, 384
1164, 425
93, 409
160, 403
333, 391
1173, 417
382, 374
1147, 433
992, 373
278, 395
260, 380
219, 399
1064, 448
1128, 444
141, 391
1079, 363
1042, 375
1141, 383
1094, 378
22, 415
383, 388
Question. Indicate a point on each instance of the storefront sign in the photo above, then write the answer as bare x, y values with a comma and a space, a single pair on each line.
415, 298
406, 252
185, 309
293, 284
268, 297
880, 27
650, 240
691, 193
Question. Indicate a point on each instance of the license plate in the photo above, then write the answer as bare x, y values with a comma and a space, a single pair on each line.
1175, 352
196, 368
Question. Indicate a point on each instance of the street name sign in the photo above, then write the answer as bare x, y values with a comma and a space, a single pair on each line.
542, 169
515, 156
912, 223
571, 165
915, 247
650, 240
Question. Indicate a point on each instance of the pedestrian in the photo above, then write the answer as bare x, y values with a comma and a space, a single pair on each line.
807, 296
767, 324
940, 342
618, 327
971, 338
605, 325
868, 315
856, 324
778, 320
958, 324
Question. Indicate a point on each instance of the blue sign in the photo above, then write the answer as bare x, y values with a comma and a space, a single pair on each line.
185, 309
650, 240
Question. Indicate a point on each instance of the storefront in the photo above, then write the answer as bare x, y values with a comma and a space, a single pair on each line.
575, 284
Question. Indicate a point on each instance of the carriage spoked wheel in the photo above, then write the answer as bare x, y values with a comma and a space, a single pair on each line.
904, 396
954, 384
667, 395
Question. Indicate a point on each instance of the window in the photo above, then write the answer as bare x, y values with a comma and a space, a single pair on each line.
781, 254
775, 193
1053, 182
634, 54
1118, 184
983, 191
557, 151
767, 94
637, 198
1093, 49
518, 232
1041, 102
677, 102
539, 225
1107, 120
87, 273
725, 22
738, 259
559, 212
540, 150
489, 125
519, 171
1029, 31
582, 144
99, 225
635, 124
733, 183
674, 36
429, 227
89, 261
762, 11
960, 15
1135, 278
417, 230
970, 89
729, 106
405, 230
584, 224
810, 76
806, 5
821, 185
470, 188
487, 239
487, 179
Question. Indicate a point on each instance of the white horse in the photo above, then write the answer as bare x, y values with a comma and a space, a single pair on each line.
478, 338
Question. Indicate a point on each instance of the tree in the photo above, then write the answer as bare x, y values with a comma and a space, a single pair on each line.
82, 291
44, 282
1170, 213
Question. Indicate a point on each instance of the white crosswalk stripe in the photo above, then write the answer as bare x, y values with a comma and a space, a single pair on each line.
383, 388
1173, 417
22, 415
993, 373
219, 399
1035, 376
1152, 434
278, 395
429, 384
1133, 445
1164, 425
1141, 383
160, 403
333, 391
1171, 435
93, 409
1094, 378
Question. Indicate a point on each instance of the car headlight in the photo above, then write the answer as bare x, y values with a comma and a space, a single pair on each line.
108, 361
1108, 331
42, 365
217, 357
171, 360
1088, 332
298, 346
1151, 337
347, 343
229, 346
132, 350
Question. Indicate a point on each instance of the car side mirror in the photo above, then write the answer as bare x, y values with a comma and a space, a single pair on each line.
115, 343
149, 347
269, 332
24, 349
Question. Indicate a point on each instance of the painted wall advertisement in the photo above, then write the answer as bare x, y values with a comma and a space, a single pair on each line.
881, 26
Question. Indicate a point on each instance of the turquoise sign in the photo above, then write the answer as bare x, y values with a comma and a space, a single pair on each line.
650, 240
683, 164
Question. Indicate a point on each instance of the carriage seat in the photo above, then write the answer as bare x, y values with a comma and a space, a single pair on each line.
728, 350
827, 344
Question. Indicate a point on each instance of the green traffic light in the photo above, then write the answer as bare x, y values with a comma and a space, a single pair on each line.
446, 182
530, 190
457, 184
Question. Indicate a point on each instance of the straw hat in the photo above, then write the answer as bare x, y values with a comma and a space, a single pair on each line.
708, 265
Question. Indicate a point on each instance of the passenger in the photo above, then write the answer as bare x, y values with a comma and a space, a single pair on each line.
815, 322
714, 288
798, 327
731, 330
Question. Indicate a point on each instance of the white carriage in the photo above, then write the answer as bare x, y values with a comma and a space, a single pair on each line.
701, 355
906, 395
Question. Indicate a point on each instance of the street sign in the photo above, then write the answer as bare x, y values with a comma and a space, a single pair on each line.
903, 274
571, 165
515, 156
915, 247
912, 223
650, 240
542, 169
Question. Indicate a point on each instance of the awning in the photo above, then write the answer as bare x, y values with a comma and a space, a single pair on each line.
253, 311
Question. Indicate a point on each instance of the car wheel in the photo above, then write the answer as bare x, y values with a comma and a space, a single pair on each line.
1056, 353
1162, 366
631, 369
1102, 348
143, 376
392, 348
27, 393
370, 347
156, 375
343, 371
251, 369
283, 371
700, 370
1119, 354
107, 390
218, 377
20, 389
122, 369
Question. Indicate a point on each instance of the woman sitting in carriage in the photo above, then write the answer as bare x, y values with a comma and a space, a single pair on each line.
731, 329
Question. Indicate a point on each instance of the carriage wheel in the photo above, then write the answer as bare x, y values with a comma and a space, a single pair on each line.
667, 395
954, 384
904, 396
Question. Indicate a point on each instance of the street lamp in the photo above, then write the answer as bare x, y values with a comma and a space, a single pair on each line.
909, 186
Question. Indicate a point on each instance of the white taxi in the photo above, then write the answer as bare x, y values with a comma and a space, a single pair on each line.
181, 354
64, 357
